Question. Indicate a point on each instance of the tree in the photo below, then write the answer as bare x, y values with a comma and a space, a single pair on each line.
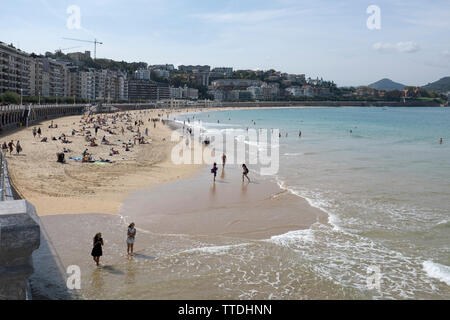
10, 97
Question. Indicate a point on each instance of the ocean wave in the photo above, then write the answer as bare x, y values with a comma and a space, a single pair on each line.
215, 249
437, 271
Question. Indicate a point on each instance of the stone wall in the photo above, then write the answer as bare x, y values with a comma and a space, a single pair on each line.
19, 237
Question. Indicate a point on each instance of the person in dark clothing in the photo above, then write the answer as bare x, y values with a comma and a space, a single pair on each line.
214, 170
245, 172
97, 251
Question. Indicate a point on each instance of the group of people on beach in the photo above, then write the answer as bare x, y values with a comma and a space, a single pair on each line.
214, 169
98, 243
10, 147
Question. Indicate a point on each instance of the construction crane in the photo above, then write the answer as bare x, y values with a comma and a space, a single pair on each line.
64, 49
95, 42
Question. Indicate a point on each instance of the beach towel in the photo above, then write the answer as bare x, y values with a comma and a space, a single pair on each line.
75, 158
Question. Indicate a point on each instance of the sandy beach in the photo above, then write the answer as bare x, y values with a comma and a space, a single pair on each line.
76, 187
176, 208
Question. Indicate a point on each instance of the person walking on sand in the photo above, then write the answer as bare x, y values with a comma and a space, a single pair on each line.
97, 251
224, 160
245, 172
11, 147
34, 132
39, 132
131, 234
18, 147
214, 170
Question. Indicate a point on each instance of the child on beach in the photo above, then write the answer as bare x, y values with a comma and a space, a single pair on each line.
245, 172
131, 234
214, 170
97, 251
224, 159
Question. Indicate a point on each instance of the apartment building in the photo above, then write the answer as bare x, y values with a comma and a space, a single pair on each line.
225, 71
14, 70
194, 69
142, 74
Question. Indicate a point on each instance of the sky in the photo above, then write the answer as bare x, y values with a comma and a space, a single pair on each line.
320, 38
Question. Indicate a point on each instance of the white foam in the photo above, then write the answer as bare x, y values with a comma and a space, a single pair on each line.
316, 203
293, 154
437, 271
215, 249
304, 235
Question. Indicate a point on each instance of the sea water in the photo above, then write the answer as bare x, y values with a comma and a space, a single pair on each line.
382, 177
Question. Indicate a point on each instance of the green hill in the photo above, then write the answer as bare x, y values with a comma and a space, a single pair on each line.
442, 85
386, 84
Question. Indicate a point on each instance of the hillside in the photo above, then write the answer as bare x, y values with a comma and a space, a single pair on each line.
386, 84
442, 85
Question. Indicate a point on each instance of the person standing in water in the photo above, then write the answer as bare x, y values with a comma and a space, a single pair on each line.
440, 141
97, 251
214, 170
131, 235
224, 160
299, 133
245, 172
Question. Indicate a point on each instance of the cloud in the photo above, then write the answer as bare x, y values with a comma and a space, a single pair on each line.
446, 53
402, 47
249, 16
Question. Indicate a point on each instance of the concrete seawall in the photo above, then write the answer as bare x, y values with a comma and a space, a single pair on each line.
19, 237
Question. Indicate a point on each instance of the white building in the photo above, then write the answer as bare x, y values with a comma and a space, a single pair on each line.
162, 73
176, 93
295, 91
142, 74
190, 93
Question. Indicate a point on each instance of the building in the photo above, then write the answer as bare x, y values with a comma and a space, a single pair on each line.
14, 70
140, 90
77, 56
240, 95
200, 78
85, 82
162, 73
190, 93
168, 67
176, 93
270, 91
194, 69
225, 71
122, 82
308, 91
49, 78
142, 74
295, 91
236, 83
256, 92
146, 90
162, 91
218, 94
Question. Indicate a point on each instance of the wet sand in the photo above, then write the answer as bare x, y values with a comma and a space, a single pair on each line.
228, 207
